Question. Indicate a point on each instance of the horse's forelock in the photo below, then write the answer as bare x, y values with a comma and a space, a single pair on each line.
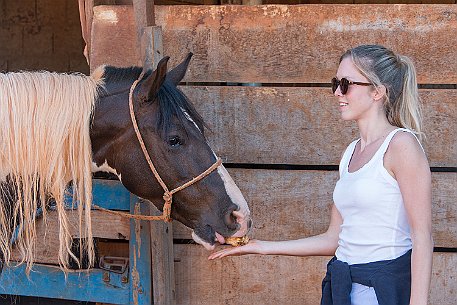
173, 103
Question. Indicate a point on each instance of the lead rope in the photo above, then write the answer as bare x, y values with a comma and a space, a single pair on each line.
168, 195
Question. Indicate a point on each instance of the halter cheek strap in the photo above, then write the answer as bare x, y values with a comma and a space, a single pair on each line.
168, 195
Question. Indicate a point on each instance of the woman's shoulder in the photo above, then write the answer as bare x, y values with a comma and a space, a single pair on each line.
405, 140
404, 148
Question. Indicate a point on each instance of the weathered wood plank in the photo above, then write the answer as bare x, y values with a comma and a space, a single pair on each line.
283, 44
113, 37
295, 204
276, 279
246, 279
303, 125
103, 226
284, 205
163, 279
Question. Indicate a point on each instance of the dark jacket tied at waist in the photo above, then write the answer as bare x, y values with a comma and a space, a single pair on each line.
391, 280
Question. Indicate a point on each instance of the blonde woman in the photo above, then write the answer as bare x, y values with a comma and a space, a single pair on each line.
380, 227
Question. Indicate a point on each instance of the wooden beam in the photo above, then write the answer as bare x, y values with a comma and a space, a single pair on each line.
140, 260
85, 16
151, 47
144, 19
296, 204
302, 126
273, 279
144, 13
149, 52
291, 44
162, 262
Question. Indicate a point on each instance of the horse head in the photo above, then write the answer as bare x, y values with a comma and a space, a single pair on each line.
173, 134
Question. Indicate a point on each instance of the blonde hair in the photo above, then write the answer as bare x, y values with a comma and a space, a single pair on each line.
45, 145
398, 74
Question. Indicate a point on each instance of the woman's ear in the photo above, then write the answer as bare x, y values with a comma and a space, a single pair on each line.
379, 92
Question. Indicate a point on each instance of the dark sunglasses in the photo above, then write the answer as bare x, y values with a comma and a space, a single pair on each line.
344, 84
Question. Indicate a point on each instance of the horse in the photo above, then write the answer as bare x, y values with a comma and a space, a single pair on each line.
57, 129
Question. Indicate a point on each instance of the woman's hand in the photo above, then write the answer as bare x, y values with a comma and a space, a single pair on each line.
253, 247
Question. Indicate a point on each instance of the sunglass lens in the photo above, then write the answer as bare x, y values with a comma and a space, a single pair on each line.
335, 84
344, 86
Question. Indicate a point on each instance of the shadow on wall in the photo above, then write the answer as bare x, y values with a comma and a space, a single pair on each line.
41, 35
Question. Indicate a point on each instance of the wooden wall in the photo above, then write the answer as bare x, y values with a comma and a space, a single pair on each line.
41, 34
293, 120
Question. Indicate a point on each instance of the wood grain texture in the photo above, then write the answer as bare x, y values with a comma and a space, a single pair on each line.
296, 204
113, 42
284, 205
276, 279
103, 226
295, 44
303, 125
283, 44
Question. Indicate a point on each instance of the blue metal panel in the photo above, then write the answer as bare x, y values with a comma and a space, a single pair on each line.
93, 285
50, 282
140, 257
109, 194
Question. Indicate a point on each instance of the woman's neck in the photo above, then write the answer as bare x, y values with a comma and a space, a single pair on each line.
373, 130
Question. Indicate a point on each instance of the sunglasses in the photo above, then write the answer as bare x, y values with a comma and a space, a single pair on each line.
344, 84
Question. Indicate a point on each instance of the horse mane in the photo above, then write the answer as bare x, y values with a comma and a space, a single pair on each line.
172, 101
45, 144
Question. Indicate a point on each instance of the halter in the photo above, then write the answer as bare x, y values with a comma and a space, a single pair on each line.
168, 195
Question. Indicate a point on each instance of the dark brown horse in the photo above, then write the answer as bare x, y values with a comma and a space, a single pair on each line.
101, 133
173, 132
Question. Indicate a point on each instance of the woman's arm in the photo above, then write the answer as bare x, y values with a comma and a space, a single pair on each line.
406, 161
322, 244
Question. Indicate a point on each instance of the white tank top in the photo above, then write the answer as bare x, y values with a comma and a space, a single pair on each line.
375, 225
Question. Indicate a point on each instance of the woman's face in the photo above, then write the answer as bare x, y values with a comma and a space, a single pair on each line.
358, 100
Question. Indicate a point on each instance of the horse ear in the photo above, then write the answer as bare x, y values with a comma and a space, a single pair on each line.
151, 85
177, 74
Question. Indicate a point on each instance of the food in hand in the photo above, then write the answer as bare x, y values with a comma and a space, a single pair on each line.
237, 241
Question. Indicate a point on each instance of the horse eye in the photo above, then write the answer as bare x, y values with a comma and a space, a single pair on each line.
174, 141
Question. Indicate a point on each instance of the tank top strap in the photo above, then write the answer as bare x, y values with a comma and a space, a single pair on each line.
347, 156
389, 137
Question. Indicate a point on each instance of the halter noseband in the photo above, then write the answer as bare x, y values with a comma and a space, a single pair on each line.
168, 195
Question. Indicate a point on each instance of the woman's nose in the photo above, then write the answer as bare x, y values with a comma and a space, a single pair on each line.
337, 92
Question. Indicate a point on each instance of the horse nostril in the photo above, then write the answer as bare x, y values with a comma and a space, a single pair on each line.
230, 220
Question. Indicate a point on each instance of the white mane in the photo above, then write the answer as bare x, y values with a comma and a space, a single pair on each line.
45, 144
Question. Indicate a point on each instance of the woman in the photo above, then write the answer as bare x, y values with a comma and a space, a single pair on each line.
382, 207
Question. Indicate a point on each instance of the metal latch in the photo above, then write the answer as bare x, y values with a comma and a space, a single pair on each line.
114, 264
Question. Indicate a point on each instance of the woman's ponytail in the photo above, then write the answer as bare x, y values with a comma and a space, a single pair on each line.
406, 110
397, 73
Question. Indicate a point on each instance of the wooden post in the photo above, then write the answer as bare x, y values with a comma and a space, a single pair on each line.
150, 51
163, 271
140, 257
144, 21
85, 16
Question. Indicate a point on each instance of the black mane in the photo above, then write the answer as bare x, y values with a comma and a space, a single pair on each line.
172, 101
117, 78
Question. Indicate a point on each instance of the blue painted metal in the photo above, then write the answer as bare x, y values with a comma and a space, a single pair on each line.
94, 285
50, 282
109, 194
140, 257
